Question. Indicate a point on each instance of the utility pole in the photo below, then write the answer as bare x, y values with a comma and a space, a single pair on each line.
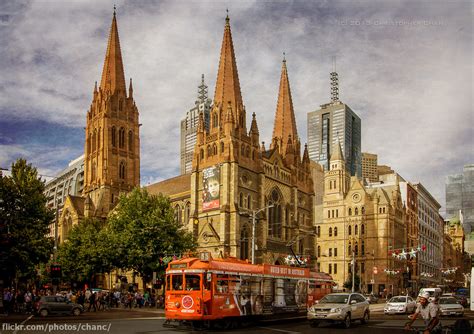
254, 214
353, 271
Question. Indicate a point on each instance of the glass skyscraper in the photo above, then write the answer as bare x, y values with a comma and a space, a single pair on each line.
460, 197
331, 122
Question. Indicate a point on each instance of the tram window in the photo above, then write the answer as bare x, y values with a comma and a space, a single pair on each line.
222, 285
177, 281
193, 282
168, 283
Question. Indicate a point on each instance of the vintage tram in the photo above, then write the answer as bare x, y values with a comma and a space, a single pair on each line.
206, 290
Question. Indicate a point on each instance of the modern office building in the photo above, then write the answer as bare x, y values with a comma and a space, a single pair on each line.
460, 197
335, 121
369, 167
189, 126
69, 181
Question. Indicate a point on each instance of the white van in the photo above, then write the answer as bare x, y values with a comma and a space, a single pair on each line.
434, 292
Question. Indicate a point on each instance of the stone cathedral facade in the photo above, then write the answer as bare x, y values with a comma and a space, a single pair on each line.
234, 174
112, 144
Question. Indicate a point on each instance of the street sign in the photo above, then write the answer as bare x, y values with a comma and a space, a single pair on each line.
372, 281
376, 270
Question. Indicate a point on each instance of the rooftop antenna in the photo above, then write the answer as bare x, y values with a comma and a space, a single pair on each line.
334, 82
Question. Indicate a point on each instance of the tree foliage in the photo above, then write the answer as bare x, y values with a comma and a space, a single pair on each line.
142, 230
24, 222
85, 252
348, 283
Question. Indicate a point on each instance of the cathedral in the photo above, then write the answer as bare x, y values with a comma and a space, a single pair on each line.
235, 177
112, 144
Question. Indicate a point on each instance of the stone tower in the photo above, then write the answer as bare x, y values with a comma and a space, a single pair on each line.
112, 145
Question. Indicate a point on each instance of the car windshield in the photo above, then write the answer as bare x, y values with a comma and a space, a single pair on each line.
334, 299
398, 300
448, 301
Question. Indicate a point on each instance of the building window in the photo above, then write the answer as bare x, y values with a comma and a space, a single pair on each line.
241, 200
362, 267
329, 213
122, 170
350, 211
362, 248
363, 210
214, 149
187, 212
356, 249
121, 138
249, 202
337, 213
355, 230
319, 251
330, 268
335, 251
335, 231
349, 268
318, 231
222, 147
349, 249
330, 251
274, 215
242, 150
356, 211
349, 230
330, 231
130, 141
113, 135
362, 229
209, 152
335, 268
177, 214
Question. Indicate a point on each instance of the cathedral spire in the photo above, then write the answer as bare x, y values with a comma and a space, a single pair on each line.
285, 124
113, 78
336, 153
227, 84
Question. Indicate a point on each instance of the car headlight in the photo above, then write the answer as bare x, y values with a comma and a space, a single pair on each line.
335, 310
311, 309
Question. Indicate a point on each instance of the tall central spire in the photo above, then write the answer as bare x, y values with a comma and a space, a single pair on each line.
113, 78
285, 124
227, 84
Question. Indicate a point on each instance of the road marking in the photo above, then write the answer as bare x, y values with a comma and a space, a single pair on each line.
24, 321
279, 330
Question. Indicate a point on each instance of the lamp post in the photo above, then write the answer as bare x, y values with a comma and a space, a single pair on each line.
253, 214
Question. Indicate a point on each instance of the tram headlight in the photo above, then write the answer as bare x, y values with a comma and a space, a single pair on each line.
177, 304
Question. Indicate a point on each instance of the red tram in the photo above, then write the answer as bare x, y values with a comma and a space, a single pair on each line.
209, 289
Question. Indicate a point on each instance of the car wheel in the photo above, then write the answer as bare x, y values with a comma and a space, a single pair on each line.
365, 319
347, 321
76, 311
43, 312
314, 324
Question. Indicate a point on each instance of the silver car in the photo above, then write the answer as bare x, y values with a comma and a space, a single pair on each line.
400, 304
450, 306
340, 308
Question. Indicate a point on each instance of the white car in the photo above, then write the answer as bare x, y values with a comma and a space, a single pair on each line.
400, 304
341, 308
450, 306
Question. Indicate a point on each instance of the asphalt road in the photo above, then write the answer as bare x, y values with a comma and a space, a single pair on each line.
151, 322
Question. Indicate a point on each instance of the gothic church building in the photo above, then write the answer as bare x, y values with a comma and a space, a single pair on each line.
234, 174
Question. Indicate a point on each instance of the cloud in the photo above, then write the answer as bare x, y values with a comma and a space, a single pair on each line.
405, 68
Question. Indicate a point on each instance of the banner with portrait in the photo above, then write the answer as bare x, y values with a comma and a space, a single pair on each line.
211, 188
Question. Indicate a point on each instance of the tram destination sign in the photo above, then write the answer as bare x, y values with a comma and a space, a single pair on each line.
179, 265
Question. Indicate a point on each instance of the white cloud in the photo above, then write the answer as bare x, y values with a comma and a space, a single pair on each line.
405, 68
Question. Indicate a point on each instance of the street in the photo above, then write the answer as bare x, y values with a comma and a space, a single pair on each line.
150, 321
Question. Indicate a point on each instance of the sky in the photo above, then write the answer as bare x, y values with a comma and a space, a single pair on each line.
405, 67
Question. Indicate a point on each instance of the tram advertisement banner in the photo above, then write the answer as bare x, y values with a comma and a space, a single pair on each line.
211, 188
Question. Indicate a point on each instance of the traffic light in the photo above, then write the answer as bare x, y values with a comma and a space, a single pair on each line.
56, 271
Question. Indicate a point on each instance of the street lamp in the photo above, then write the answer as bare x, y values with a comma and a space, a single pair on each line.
253, 214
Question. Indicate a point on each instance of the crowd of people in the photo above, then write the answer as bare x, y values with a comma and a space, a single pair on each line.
23, 301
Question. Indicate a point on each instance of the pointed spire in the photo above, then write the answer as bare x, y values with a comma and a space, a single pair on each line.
289, 146
113, 78
285, 124
95, 88
305, 154
227, 84
130, 89
254, 127
336, 153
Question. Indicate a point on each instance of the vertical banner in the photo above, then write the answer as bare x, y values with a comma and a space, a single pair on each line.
211, 188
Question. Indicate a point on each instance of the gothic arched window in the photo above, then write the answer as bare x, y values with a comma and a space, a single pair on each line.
349, 230
356, 211
330, 231
130, 141
177, 214
244, 244
122, 170
214, 149
187, 212
362, 229
222, 146
335, 231
114, 135
121, 138
241, 200
350, 211
355, 230
209, 152
362, 248
249, 202
274, 215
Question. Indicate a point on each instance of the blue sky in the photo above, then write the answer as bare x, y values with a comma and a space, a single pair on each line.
405, 67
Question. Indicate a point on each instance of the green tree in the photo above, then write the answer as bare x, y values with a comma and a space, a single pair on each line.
348, 283
85, 252
142, 230
24, 223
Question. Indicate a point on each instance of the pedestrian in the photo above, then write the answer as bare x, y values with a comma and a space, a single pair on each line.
92, 302
6, 300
